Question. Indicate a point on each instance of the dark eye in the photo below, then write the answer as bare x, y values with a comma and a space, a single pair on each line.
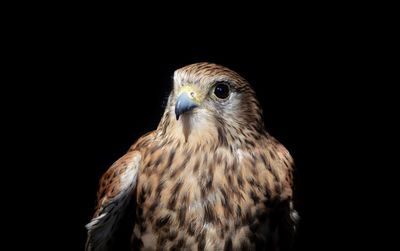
221, 90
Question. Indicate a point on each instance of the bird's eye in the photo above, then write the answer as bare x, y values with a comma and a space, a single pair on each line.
221, 90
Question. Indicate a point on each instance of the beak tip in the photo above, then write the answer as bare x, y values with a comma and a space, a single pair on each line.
183, 104
177, 112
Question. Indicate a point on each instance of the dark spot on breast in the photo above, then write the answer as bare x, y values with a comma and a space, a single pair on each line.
228, 245
205, 182
249, 143
171, 158
278, 187
196, 166
238, 212
254, 183
191, 228
183, 208
229, 178
185, 200
182, 216
162, 239
256, 136
201, 241
176, 188
209, 181
149, 188
272, 155
172, 235
165, 220
183, 164
218, 158
174, 195
173, 173
221, 233
153, 207
225, 203
226, 168
209, 213
158, 161
188, 152
240, 181
179, 245
251, 181
236, 192
285, 162
160, 187
222, 136
264, 160
226, 228
254, 197
224, 196
142, 195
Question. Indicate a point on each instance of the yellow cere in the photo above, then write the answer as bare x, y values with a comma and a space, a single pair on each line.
193, 92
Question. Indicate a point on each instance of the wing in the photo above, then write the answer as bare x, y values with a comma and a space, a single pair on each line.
115, 197
285, 216
287, 223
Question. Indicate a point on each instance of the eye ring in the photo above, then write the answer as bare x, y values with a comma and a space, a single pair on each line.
221, 90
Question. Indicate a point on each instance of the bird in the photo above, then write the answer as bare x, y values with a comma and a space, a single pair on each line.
209, 177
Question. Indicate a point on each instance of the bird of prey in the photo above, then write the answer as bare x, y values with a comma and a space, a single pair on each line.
208, 178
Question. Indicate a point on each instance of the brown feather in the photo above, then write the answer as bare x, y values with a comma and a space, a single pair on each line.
213, 179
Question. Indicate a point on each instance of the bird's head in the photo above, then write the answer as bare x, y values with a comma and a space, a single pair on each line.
209, 100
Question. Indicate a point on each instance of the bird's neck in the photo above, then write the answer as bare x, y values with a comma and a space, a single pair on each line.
208, 133
187, 130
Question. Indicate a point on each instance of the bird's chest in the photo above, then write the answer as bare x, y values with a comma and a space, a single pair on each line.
197, 201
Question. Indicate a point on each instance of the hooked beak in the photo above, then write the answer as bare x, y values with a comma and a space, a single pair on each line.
184, 103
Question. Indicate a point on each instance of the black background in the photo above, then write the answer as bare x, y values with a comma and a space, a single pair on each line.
95, 81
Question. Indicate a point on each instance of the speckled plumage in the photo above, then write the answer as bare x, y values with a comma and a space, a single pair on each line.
212, 180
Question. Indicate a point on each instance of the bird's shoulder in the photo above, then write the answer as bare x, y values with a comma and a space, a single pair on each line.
114, 196
143, 142
118, 177
278, 152
112, 181
280, 163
